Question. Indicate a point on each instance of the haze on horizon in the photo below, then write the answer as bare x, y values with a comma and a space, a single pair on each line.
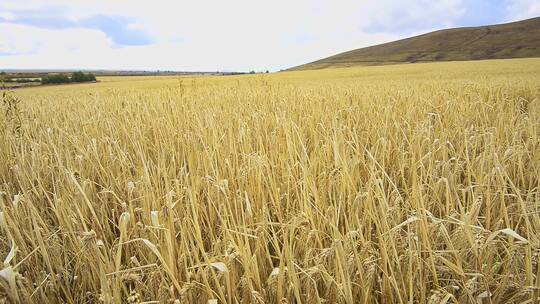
236, 35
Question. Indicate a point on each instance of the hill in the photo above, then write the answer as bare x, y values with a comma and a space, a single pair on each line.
511, 40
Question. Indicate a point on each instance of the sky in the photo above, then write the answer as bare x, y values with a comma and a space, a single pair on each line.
217, 35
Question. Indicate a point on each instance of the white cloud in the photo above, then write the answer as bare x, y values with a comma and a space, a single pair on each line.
219, 35
27, 40
7, 16
523, 9
416, 15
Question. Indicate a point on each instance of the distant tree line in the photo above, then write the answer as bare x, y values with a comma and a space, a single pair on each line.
63, 78
20, 80
4, 77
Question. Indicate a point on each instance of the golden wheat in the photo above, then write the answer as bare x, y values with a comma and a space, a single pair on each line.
396, 184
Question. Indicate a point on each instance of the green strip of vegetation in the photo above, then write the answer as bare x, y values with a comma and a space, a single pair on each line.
76, 77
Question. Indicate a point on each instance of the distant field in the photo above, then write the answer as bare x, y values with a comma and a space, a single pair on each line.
387, 184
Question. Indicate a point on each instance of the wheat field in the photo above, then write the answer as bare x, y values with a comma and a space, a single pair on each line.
394, 184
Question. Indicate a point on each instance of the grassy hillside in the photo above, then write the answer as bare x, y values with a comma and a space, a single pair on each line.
385, 184
512, 40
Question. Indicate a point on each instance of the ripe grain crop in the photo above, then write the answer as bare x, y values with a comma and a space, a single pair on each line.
396, 184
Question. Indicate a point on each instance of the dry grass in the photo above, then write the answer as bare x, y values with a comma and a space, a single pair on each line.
397, 184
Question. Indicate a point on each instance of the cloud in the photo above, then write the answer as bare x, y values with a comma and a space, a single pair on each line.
221, 35
119, 28
412, 16
20, 39
8, 16
522, 9
60, 49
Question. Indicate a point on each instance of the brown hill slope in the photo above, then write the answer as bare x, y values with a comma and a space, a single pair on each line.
511, 40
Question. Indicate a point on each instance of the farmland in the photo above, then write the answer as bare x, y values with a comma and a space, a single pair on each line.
383, 184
